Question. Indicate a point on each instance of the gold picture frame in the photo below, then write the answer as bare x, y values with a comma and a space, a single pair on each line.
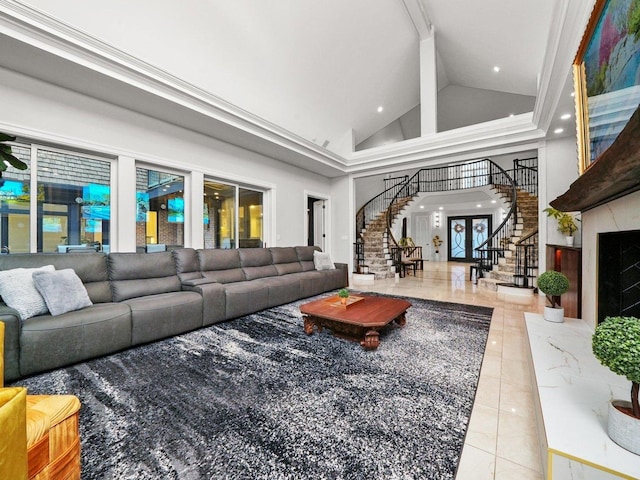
606, 72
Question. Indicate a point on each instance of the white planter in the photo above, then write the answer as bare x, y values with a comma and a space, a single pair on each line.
623, 429
555, 315
569, 241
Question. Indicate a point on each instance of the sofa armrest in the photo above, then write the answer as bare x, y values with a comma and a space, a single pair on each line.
12, 327
196, 282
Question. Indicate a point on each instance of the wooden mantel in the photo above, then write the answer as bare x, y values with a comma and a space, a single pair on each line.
615, 173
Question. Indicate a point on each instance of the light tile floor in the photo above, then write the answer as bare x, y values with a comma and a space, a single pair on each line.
501, 441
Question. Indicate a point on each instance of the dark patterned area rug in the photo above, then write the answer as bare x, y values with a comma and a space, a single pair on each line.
255, 398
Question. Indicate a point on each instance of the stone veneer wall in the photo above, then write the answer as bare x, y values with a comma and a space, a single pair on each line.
618, 215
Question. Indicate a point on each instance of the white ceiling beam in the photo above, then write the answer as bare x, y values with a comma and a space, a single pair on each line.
419, 18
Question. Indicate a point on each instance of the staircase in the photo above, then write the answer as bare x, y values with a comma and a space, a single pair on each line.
376, 251
507, 271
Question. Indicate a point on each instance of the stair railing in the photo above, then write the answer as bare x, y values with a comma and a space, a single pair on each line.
525, 174
492, 249
479, 173
526, 260
371, 210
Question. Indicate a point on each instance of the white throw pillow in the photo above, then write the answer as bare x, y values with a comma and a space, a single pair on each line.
19, 292
322, 261
62, 290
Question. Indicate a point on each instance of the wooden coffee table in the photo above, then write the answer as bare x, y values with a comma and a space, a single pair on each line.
360, 320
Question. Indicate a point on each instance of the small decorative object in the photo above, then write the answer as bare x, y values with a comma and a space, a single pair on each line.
436, 243
553, 284
566, 223
616, 344
406, 242
343, 293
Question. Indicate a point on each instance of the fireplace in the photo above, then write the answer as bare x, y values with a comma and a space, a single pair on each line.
618, 274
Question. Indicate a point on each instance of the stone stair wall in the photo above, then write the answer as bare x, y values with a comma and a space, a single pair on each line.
377, 254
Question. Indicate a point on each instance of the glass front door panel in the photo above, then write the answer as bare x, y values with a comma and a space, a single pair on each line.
250, 218
457, 238
480, 233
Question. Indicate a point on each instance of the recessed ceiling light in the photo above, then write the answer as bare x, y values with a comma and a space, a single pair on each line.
566, 116
573, 94
479, 205
421, 206
380, 109
440, 208
512, 115
558, 130
496, 69
493, 201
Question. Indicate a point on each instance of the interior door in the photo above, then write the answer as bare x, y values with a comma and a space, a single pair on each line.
466, 233
319, 233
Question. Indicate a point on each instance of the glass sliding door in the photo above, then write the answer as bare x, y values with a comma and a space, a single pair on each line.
159, 210
250, 218
222, 219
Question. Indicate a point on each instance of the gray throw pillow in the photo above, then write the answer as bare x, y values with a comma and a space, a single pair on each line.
322, 261
62, 290
19, 292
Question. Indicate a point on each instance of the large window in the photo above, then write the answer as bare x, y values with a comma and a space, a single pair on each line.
72, 199
15, 201
74, 202
222, 219
159, 210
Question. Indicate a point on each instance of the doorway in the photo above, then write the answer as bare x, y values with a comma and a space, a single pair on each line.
316, 222
466, 233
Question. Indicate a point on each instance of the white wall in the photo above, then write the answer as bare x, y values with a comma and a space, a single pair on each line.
558, 170
462, 106
47, 113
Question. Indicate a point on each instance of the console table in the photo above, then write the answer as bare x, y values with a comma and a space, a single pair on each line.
571, 392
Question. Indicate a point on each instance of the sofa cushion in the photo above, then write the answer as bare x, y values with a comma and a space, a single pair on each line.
243, 298
222, 266
48, 342
214, 259
164, 315
90, 267
285, 259
19, 291
322, 261
62, 290
140, 274
305, 257
255, 257
187, 264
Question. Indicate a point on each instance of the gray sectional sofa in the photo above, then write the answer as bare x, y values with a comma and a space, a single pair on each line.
142, 297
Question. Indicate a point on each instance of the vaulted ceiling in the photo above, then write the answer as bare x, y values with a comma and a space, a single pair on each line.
317, 69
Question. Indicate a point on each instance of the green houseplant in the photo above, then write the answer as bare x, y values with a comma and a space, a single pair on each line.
6, 156
616, 344
566, 223
343, 294
553, 284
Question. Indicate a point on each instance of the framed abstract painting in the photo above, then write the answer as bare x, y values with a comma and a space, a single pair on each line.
607, 76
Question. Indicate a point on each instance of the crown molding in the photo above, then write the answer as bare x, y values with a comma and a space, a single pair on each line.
36, 29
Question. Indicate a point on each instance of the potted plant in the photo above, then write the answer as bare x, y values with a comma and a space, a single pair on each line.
437, 241
553, 284
566, 223
343, 294
616, 344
